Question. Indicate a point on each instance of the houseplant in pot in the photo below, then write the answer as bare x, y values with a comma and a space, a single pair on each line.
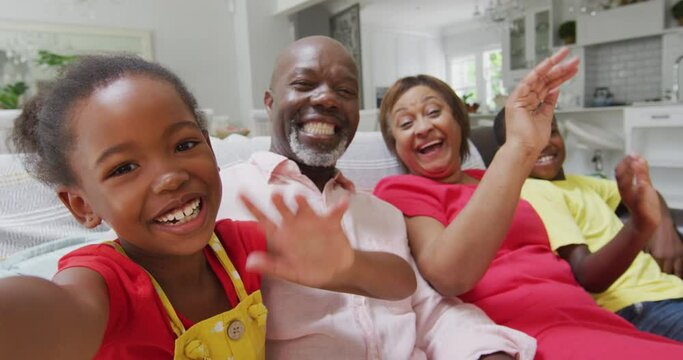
472, 106
10, 95
567, 32
677, 12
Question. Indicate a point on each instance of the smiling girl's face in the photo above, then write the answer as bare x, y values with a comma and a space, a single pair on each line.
144, 166
427, 136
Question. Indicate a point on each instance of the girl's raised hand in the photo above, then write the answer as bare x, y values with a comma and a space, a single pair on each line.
529, 109
305, 248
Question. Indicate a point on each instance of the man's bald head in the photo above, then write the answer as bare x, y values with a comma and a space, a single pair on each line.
313, 101
317, 44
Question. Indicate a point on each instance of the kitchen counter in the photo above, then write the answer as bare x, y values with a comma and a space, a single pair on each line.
639, 104
590, 109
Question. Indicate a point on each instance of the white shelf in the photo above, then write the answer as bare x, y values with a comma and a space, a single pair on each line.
643, 19
590, 109
648, 124
674, 201
665, 163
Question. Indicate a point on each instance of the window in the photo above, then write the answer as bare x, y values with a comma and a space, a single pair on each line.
478, 76
463, 76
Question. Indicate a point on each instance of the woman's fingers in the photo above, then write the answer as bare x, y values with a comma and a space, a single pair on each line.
548, 105
562, 72
525, 97
543, 79
538, 88
541, 70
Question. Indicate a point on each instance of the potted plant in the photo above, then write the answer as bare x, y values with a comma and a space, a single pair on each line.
567, 32
677, 12
10, 95
47, 58
472, 107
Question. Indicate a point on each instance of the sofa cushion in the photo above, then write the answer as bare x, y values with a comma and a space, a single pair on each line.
367, 160
41, 260
31, 214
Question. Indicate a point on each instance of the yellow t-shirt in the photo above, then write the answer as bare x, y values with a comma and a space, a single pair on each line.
580, 210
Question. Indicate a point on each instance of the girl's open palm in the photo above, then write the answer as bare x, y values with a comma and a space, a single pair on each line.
305, 248
529, 109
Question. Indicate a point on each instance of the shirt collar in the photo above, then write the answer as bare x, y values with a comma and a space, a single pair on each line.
275, 167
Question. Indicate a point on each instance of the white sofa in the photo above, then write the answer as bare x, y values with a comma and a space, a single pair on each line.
36, 229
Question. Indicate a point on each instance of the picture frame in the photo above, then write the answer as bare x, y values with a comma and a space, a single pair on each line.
345, 28
21, 43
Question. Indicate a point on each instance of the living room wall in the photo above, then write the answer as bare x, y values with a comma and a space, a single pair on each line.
196, 39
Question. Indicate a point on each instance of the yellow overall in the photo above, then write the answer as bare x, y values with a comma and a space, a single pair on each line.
239, 333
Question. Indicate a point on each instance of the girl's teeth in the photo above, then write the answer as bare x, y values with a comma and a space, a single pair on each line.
182, 215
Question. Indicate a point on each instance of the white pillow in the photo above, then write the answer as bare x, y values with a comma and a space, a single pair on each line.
237, 148
30, 212
6, 124
367, 160
41, 260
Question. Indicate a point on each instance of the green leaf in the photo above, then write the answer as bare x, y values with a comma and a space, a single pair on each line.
52, 59
11, 93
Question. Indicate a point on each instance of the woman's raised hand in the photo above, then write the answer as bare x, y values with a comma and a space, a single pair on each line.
529, 109
305, 248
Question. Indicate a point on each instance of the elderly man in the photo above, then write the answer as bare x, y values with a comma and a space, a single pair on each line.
312, 103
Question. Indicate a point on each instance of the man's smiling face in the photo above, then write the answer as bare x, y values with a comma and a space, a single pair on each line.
313, 102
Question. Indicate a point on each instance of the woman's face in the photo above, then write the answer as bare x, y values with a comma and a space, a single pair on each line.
427, 136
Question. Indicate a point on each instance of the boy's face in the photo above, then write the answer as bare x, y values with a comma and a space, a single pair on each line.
145, 167
549, 163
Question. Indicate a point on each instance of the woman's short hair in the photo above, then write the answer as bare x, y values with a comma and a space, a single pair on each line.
401, 86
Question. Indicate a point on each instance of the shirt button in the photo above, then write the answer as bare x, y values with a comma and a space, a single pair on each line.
235, 330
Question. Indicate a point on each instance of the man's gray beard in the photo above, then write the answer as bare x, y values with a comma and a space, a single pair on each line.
315, 157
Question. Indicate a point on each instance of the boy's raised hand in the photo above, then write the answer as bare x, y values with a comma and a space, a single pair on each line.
305, 248
637, 193
529, 109
666, 246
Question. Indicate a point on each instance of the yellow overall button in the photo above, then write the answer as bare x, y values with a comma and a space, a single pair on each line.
235, 330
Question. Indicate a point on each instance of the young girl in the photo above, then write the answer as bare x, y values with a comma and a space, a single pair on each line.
121, 141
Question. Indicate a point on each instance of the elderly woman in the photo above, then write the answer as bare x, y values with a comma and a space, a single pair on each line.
471, 235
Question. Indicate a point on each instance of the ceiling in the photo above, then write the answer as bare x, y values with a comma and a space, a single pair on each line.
417, 15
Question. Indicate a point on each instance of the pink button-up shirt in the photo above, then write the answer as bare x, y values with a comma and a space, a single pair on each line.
308, 323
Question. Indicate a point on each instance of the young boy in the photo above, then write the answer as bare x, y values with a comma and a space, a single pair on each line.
605, 254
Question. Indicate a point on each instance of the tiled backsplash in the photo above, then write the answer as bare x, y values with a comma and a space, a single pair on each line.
631, 69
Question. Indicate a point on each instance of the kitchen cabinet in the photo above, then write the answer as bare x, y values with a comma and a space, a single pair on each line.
655, 132
621, 23
391, 54
572, 92
526, 43
672, 49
